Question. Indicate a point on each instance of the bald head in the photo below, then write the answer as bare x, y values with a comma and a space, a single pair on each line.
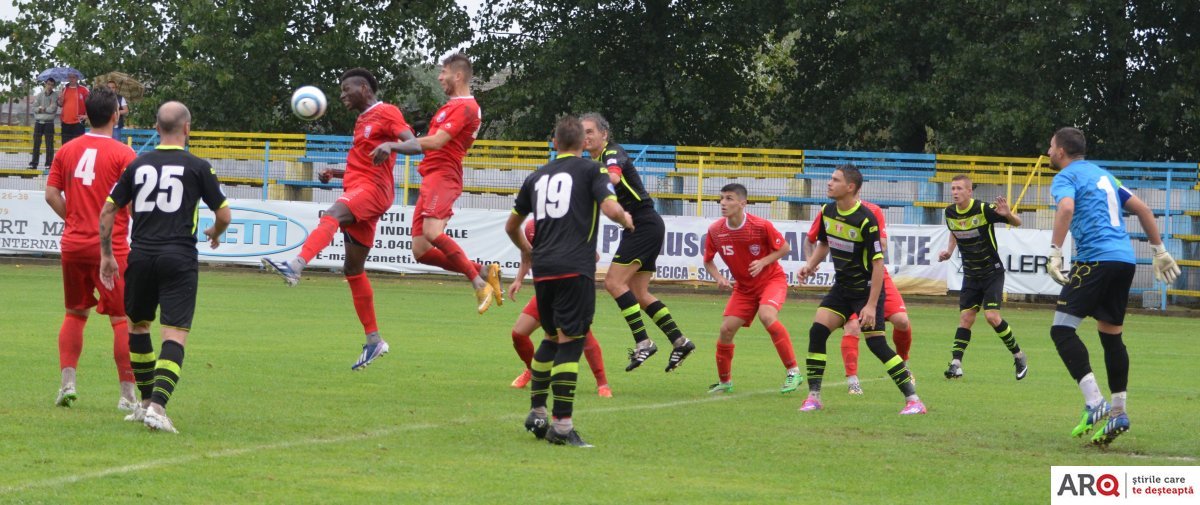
172, 116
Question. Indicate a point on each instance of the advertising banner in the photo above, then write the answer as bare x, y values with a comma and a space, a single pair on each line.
278, 228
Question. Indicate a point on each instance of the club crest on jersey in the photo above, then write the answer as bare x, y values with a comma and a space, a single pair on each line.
755, 249
441, 117
853, 233
367, 132
975, 221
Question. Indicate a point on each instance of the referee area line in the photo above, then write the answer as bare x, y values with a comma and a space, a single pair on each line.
306, 442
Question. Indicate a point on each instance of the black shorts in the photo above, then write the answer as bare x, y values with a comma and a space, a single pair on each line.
567, 304
1097, 289
982, 294
645, 243
166, 280
847, 302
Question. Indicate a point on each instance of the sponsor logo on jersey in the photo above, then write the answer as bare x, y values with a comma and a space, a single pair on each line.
610, 161
841, 244
966, 234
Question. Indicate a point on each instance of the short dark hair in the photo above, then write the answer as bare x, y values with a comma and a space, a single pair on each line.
1071, 140
595, 117
51, 79
568, 133
100, 105
461, 62
736, 189
364, 74
852, 175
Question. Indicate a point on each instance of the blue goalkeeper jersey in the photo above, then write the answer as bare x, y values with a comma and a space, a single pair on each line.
1098, 226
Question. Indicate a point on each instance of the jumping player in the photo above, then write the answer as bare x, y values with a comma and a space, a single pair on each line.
370, 190
451, 133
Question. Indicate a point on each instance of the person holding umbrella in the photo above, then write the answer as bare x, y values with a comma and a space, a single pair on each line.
45, 108
71, 101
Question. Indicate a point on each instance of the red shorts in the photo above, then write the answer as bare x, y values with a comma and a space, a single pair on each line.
366, 204
744, 305
81, 281
531, 309
893, 303
436, 200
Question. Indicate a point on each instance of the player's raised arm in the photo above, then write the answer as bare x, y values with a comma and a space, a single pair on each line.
1004, 211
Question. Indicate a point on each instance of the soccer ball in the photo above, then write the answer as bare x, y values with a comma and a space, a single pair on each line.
308, 103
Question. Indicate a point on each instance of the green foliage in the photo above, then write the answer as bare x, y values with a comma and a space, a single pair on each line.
884, 75
269, 412
667, 72
236, 62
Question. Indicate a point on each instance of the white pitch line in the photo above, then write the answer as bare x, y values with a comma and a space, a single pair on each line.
225, 453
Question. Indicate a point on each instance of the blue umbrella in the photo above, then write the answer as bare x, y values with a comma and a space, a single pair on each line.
59, 74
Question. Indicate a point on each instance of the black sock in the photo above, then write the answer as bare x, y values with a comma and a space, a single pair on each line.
814, 365
1072, 351
166, 374
539, 370
1005, 333
1116, 361
962, 338
143, 360
563, 377
897, 369
661, 315
633, 315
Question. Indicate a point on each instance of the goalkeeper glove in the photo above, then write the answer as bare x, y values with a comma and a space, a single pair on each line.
1055, 266
1165, 268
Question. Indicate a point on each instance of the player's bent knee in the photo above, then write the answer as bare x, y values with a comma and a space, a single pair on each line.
901, 323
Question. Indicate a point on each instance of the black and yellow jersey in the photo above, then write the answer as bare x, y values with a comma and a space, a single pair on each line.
853, 238
564, 197
975, 231
164, 189
631, 193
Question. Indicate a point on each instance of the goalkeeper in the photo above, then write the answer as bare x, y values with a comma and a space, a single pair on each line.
1089, 202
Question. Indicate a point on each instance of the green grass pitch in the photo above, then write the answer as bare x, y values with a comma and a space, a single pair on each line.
269, 411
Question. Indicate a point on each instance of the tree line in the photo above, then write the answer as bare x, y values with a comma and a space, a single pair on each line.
968, 77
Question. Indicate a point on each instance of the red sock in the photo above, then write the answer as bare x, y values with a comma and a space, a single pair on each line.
121, 351
435, 257
783, 344
70, 341
903, 341
724, 362
595, 358
319, 239
364, 301
524, 348
456, 257
850, 354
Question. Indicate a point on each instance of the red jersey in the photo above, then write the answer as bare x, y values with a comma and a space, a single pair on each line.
812, 231
86, 170
380, 123
461, 118
755, 239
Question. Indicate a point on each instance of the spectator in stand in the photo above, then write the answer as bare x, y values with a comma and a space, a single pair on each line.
45, 107
71, 101
122, 109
